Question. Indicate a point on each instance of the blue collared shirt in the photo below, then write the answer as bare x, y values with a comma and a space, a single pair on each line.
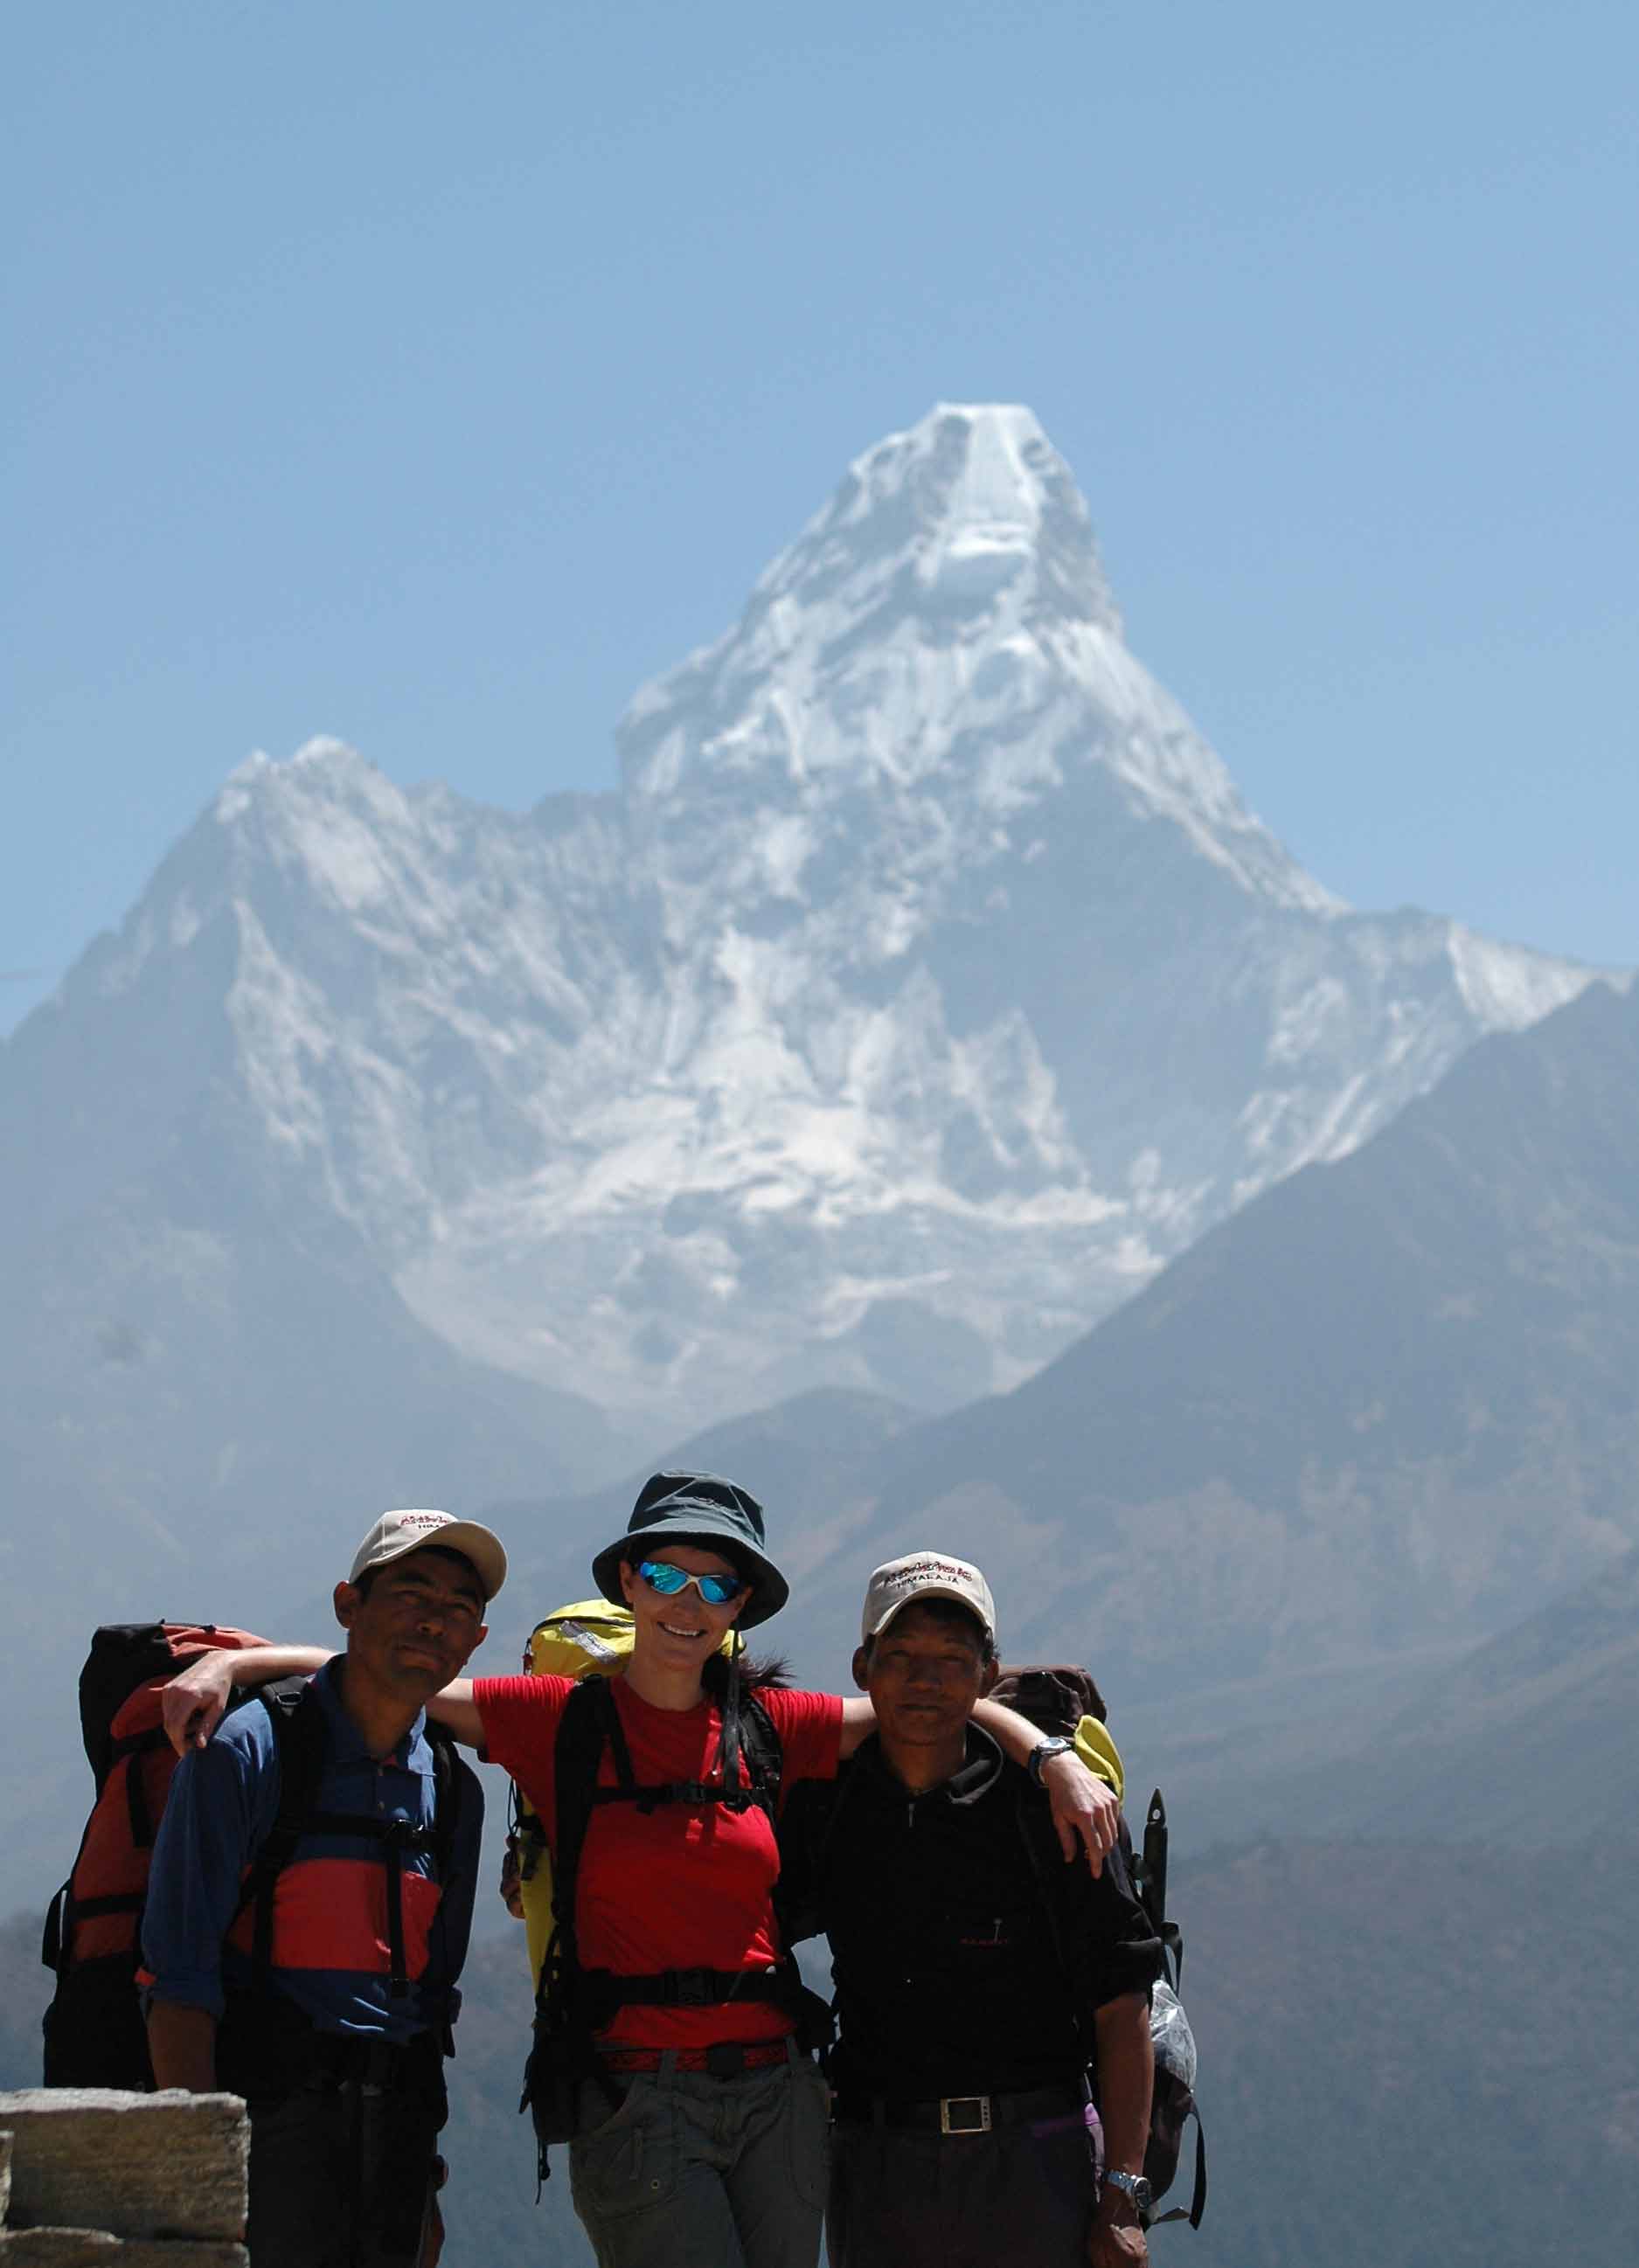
330, 1953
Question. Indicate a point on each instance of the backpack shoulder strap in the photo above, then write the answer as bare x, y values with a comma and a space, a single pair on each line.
447, 1775
764, 1755
298, 1743
589, 1723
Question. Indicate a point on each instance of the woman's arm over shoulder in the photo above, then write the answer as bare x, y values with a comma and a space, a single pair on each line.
811, 1729
499, 1714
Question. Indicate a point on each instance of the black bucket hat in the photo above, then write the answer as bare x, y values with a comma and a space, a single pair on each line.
700, 1508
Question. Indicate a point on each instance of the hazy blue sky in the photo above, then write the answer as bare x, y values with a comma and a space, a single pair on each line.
431, 375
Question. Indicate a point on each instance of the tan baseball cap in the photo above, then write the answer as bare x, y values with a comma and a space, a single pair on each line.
396, 1533
925, 1575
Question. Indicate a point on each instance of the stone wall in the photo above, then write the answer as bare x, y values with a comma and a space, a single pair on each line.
89, 2175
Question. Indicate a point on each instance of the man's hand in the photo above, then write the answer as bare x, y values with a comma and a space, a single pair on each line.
182, 2047
1110, 2247
193, 1701
511, 1880
1084, 1811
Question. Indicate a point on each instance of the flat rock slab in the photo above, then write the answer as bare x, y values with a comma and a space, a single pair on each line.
136, 2165
57, 2247
182, 2252
91, 2248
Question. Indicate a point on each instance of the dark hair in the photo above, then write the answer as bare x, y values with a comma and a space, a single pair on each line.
955, 1615
759, 1673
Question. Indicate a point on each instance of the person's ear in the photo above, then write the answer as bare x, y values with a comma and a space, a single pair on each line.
347, 1599
987, 1678
628, 1581
861, 1669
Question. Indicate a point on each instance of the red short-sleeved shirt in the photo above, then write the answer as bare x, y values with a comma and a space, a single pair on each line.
682, 1886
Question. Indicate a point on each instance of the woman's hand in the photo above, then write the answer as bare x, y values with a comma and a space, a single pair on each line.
1084, 1810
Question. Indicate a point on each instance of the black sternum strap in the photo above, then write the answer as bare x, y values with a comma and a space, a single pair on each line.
676, 1791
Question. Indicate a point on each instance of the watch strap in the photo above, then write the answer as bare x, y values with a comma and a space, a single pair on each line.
1045, 1751
1133, 2187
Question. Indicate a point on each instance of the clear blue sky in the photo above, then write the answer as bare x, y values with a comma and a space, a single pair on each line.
431, 375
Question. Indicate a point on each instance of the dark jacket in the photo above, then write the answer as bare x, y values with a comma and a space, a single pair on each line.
969, 1956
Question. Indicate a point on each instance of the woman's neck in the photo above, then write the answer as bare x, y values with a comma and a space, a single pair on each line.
661, 1685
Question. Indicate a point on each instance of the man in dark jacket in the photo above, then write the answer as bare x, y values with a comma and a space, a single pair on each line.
326, 2001
980, 1975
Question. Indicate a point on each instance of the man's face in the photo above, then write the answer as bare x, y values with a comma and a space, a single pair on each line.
924, 1673
415, 1624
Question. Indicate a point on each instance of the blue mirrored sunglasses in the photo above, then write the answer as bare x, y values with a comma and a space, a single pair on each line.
716, 1590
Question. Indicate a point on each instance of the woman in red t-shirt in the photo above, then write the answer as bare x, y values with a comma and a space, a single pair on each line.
703, 2135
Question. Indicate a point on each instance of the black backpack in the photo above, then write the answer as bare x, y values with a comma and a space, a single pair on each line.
574, 2003
1056, 1697
95, 2034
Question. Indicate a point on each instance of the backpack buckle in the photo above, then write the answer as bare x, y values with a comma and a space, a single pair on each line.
965, 2114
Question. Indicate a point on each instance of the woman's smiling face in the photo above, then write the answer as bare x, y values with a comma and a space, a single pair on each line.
684, 1630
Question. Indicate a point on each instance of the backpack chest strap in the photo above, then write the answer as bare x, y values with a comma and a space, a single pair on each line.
610, 1989
683, 1791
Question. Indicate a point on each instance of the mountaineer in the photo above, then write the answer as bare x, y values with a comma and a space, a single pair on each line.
670, 2044
309, 1904
978, 1977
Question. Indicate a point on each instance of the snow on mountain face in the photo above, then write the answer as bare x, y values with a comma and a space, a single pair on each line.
940, 641
927, 986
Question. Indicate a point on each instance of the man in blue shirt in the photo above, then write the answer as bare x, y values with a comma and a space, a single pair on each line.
309, 1962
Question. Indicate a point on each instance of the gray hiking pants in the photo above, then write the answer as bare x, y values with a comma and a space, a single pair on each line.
696, 2172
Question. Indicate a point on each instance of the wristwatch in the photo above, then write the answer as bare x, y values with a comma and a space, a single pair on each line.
1134, 2189
1045, 1751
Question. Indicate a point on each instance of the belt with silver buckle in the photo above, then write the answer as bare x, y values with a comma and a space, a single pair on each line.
960, 2114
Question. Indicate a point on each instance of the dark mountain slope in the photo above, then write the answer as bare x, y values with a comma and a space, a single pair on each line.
1391, 1400
1535, 1734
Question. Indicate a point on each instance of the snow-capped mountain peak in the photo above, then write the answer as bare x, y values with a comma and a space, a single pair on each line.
971, 508
940, 639
927, 987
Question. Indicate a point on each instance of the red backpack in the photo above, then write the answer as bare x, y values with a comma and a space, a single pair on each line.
95, 2034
